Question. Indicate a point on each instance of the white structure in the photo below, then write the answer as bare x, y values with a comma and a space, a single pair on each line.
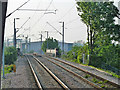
51, 51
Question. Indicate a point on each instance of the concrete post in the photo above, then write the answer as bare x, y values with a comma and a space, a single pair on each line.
83, 58
47, 39
63, 38
14, 38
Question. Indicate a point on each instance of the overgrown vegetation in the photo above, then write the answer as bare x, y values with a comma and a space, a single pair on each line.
10, 55
8, 69
103, 37
76, 54
87, 76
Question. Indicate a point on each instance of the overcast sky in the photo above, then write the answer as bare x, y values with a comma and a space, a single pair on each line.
75, 29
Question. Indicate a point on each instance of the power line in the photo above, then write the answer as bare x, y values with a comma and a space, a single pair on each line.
17, 8
54, 5
68, 11
54, 28
35, 10
72, 21
42, 15
23, 24
65, 13
23, 31
49, 5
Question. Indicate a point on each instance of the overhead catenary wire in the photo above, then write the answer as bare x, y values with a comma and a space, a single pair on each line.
54, 28
42, 15
35, 13
23, 25
54, 5
72, 20
23, 32
17, 9
67, 12
36, 8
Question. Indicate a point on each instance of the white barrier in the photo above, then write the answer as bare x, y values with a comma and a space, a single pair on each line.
51, 51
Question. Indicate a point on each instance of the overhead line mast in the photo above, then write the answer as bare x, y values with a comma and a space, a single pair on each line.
60, 34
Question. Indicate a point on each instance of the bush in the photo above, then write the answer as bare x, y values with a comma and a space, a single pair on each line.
10, 55
76, 54
32, 51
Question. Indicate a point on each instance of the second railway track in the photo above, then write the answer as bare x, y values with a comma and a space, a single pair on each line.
94, 80
43, 76
69, 79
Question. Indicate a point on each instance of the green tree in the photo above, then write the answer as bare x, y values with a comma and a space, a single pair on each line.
10, 55
99, 19
76, 53
52, 44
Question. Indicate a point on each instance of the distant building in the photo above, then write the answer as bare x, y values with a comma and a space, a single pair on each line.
9, 43
79, 43
36, 47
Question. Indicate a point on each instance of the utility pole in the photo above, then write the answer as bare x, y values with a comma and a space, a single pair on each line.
3, 59
47, 39
14, 39
41, 43
62, 37
60, 34
41, 39
26, 43
8, 42
21, 45
29, 43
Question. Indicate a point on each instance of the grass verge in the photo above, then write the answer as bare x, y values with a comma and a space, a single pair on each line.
7, 69
106, 71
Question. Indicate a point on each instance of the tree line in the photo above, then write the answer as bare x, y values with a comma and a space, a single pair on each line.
103, 35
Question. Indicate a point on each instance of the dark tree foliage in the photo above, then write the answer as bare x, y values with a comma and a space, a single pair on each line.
10, 55
102, 33
52, 44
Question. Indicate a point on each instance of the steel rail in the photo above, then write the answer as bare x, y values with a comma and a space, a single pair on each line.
85, 80
94, 75
53, 75
35, 76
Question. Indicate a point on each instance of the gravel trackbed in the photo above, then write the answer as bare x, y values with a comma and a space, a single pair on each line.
22, 78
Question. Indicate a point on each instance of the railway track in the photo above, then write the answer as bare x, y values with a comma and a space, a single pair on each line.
92, 79
34, 74
77, 76
43, 76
